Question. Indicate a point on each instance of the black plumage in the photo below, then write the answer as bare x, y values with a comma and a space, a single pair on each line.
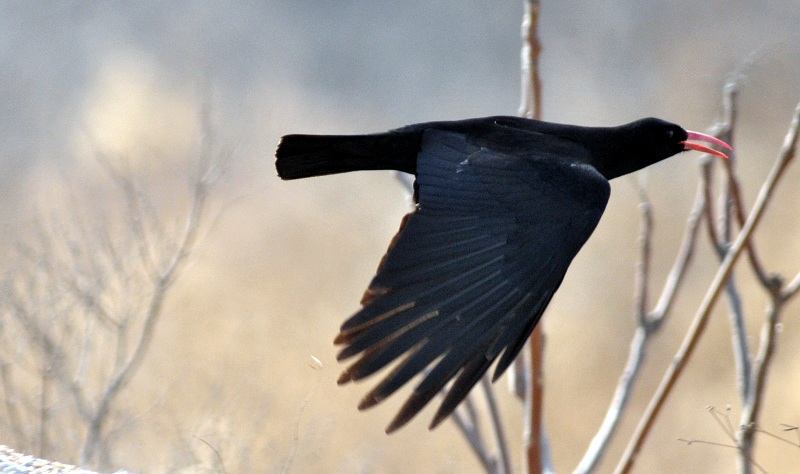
503, 206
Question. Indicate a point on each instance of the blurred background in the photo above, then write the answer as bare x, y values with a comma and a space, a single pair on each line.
279, 265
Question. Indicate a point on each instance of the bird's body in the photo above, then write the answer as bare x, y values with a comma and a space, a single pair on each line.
503, 206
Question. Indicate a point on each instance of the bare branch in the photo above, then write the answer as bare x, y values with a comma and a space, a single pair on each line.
534, 404
711, 443
796, 444
788, 151
598, 446
723, 420
701, 318
684, 256
165, 280
55, 352
645, 256
733, 203
497, 426
531, 107
649, 323
707, 168
739, 340
733, 194
791, 289
474, 439
472, 413
753, 402
220, 464
739, 210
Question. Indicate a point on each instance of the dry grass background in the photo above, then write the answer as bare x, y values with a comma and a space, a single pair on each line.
285, 263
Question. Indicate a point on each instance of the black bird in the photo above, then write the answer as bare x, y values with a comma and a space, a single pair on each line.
503, 206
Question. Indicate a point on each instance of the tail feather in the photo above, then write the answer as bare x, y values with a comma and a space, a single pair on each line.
301, 156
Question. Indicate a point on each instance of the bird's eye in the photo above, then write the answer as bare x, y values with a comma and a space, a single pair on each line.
670, 134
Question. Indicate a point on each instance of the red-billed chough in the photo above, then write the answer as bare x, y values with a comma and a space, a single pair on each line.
503, 206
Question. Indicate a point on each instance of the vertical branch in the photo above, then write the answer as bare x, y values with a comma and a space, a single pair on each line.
531, 107
497, 426
534, 400
682, 260
471, 431
752, 405
733, 204
707, 170
643, 267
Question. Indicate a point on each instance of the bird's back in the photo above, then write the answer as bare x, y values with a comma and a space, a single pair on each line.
301, 156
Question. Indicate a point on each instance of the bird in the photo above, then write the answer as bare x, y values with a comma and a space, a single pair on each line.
502, 206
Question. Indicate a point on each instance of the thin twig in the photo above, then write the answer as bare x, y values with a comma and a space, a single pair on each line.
733, 192
474, 440
724, 422
733, 203
796, 444
498, 432
739, 339
217, 455
287, 465
531, 104
711, 443
753, 402
472, 412
645, 255
736, 196
791, 289
56, 355
599, 445
707, 171
685, 253
721, 445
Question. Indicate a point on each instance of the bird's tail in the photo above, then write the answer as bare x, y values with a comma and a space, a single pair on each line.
301, 156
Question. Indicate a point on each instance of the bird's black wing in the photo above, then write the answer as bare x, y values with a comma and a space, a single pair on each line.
471, 270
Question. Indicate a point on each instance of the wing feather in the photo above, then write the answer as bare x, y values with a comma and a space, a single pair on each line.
471, 272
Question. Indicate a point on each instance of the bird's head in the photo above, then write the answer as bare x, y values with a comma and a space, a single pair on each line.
647, 141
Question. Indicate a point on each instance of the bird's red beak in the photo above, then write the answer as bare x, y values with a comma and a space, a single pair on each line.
705, 138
